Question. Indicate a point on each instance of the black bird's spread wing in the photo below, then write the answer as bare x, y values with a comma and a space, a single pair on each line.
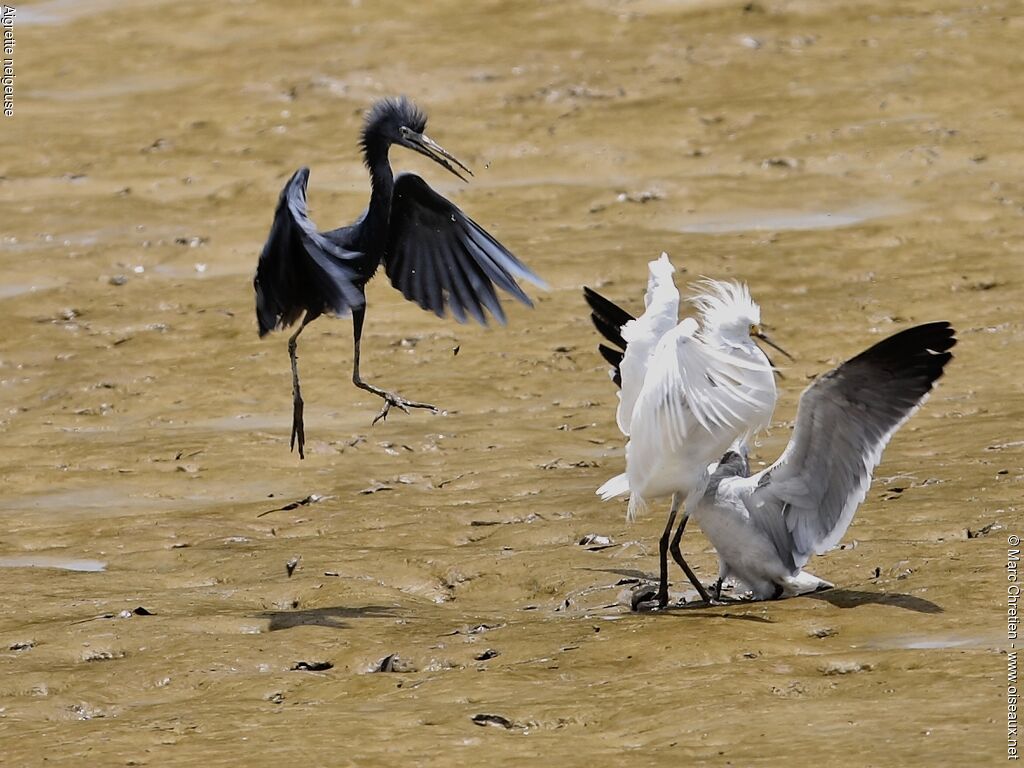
300, 269
806, 500
609, 318
439, 257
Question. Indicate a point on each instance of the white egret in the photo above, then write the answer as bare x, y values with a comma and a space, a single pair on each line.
766, 526
688, 392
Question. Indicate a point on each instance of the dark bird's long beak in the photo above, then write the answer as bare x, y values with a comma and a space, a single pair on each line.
425, 145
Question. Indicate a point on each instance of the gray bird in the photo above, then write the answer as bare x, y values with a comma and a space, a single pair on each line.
766, 526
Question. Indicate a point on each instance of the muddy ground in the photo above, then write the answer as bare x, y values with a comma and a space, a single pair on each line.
859, 164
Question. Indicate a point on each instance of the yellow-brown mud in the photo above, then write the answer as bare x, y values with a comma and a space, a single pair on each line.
858, 163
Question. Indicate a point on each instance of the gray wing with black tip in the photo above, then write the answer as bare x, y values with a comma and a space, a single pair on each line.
806, 500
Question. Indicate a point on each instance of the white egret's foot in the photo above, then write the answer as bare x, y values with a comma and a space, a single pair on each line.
393, 400
711, 602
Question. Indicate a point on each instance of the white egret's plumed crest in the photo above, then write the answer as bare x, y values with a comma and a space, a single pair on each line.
724, 305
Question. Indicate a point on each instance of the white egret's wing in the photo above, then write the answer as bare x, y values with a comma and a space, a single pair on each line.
642, 335
691, 386
806, 500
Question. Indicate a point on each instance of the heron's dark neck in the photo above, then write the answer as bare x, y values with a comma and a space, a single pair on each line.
382, 185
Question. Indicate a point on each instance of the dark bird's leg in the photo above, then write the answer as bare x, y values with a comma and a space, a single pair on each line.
390, 398
677, 555
298, 431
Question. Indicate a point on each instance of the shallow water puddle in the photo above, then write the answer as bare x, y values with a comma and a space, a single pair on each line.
938, 641
745, 221
83, 565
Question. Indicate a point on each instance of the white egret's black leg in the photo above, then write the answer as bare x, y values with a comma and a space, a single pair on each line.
390, 398
677, 555
298, 430
663, 546
716, 589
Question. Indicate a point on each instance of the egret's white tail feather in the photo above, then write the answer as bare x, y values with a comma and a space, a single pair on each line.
659, 275
642, 334
617, 486
637, 506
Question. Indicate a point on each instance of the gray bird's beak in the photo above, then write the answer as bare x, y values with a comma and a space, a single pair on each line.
420, 142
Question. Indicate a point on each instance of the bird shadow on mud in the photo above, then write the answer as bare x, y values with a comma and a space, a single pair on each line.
840, 598
711, 612
852, 598
629, 573
333, 617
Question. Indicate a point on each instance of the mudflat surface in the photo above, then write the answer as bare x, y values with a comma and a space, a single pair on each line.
858, 164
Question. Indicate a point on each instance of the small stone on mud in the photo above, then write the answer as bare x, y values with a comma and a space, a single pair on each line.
313, 498
822, 632
103, 655
985, 530
22, 645
292, 564
780, 162
375, 488
490, 653
844, 668
498, 721
595, 542
394, 663
312, 666
795, 688
483, 628
637, 597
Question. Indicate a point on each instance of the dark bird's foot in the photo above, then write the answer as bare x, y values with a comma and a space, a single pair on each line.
298, 430
392, 400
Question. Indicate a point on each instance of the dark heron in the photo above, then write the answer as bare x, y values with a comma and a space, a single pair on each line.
432, 252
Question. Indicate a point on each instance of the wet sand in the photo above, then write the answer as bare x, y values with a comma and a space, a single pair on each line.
858, 164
